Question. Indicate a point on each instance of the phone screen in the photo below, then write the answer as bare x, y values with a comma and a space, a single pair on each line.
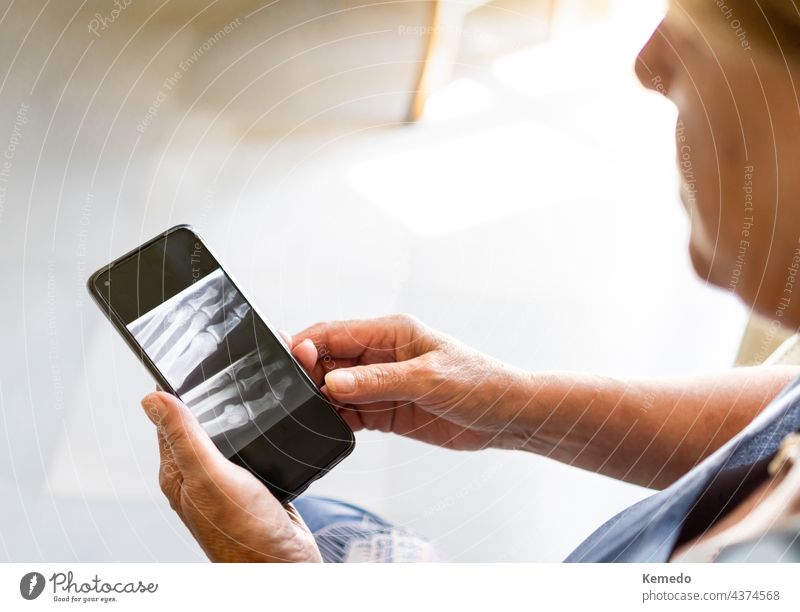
206, 342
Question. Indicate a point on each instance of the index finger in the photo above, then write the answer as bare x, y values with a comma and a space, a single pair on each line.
379, 339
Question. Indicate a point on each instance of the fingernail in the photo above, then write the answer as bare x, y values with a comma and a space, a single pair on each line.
340, 381
308, 342
153, 406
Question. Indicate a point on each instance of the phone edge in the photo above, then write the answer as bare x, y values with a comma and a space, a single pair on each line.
298, 366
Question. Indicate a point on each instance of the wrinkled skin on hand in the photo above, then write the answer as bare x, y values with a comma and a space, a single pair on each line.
230, 513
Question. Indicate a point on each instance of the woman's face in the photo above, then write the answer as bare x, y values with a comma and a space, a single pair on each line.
738, 148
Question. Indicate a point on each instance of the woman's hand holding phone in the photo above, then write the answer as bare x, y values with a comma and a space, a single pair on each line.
230, 513
392, 374
395, 374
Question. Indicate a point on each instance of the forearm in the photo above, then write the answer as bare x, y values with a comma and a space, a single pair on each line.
645, 432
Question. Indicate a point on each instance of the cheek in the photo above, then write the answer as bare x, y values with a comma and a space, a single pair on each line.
699, 166
714, 186
717, 223
711, 157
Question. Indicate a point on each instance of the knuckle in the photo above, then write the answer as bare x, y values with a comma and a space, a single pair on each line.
406, 320
415, 333
173, 435
428, 365
316, 330
324, 324
432, 368
173, 503
385, 379
164, 482
167, 468
168, 486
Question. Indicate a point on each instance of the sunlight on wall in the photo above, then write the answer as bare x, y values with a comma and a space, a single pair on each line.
460, 98
466, 181
533, 129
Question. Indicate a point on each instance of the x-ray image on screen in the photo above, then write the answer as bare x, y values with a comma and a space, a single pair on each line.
223, 362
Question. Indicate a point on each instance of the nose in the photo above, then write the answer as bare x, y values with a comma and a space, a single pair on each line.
653, 66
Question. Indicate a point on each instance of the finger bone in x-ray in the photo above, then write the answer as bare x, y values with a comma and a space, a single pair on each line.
157, 326
213, 385
232, 384
266, 395
221, 379
230, 409
202, 345
258, 392
233, 417
174, 340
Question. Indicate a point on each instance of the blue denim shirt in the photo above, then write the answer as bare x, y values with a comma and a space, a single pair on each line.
650, 530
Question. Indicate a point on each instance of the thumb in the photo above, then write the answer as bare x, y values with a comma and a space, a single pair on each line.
192, 449
400, 381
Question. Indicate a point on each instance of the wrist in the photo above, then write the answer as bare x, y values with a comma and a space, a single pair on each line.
563, 412
515, 398
535, 426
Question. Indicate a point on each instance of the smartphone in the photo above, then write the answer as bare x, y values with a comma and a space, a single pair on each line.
203, 341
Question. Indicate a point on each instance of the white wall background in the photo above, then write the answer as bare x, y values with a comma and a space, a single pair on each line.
533, 214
